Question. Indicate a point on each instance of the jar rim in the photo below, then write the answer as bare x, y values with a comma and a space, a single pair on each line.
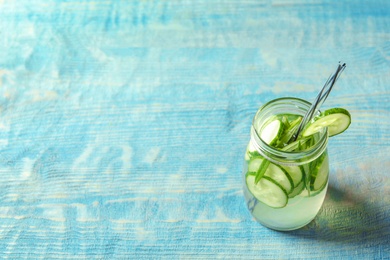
284, 157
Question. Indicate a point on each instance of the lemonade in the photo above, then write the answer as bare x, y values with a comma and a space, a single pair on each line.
286, 176
301, 202
301, 210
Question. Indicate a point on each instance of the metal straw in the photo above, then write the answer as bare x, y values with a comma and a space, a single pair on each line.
320, 99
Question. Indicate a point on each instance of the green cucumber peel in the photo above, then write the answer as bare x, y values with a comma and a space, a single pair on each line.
337, 120
261, 171
289, 132
298, 144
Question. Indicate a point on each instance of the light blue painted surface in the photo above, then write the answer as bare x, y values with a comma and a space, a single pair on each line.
123, 126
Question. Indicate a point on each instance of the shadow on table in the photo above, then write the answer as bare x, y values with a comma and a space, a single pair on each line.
349, 218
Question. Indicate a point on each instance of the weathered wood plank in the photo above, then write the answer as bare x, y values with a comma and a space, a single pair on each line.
123, 126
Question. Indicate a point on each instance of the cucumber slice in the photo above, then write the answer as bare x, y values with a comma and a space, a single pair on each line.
258, 166
267, 191
336, 119
250, 152
319, 173
254, 164
297, 190
273, 171
278, 174
295, 173
271, 133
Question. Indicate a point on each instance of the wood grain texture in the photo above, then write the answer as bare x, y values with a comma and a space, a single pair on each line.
123, 126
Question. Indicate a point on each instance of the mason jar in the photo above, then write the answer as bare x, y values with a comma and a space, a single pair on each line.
284, 188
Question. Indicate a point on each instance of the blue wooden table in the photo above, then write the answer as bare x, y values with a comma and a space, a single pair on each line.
123, 126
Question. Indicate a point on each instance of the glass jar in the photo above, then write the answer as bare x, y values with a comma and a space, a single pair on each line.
284, 189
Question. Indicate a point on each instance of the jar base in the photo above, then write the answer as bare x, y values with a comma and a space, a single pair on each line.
284, 229
299, 212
